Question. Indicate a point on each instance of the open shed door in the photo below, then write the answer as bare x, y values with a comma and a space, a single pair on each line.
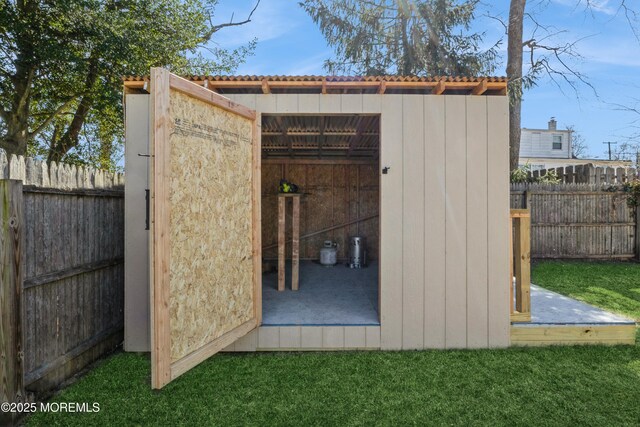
205, 241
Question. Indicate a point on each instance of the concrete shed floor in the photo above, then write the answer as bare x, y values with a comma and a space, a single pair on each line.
327, 296
551, 308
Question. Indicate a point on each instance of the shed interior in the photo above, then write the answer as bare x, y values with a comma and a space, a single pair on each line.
334, 160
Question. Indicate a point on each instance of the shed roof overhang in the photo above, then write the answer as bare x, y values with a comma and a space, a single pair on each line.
341, 84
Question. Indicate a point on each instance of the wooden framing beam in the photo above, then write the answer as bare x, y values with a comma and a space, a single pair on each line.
480, 88
265, 87
160, 331
323, 86
439, 88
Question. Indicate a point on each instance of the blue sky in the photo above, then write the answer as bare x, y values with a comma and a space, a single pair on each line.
290, 43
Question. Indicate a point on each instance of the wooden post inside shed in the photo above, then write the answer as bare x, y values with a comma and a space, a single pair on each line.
295, 240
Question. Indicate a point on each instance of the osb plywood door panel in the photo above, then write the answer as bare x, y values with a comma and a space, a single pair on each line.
211, 270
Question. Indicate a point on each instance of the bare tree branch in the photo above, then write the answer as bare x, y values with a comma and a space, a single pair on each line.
215, 28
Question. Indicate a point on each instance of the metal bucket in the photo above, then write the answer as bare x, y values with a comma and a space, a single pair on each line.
357, 252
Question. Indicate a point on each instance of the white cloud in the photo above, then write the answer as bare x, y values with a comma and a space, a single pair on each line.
601, 6
613, 52
309, 66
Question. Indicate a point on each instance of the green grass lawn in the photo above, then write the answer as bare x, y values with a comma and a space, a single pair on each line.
614, 286
589, 385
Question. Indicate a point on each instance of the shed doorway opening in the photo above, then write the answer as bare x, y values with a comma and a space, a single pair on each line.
334, 162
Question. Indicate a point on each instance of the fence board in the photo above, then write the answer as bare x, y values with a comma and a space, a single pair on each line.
578, 220
73, 283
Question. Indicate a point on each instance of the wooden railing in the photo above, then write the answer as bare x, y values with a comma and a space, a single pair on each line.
520, 265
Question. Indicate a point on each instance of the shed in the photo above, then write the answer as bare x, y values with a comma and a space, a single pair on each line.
417, 166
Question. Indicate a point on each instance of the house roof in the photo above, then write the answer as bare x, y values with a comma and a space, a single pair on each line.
342, 84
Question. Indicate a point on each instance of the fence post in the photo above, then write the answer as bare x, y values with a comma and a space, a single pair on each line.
11, 278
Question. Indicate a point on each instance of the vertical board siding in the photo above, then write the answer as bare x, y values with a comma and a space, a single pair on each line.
413, 220
456, 222
443, 219
136, 324
498, 223
434, 210
477, 217
391, 210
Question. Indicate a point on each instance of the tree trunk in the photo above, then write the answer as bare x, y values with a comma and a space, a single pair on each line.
72, 135
16, 120
514, 73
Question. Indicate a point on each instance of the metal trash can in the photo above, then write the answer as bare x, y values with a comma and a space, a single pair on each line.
357, 252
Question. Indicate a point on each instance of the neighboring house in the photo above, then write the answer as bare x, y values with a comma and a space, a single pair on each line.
551, 148
549, 143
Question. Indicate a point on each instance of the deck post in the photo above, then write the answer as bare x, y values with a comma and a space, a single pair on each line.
521, 258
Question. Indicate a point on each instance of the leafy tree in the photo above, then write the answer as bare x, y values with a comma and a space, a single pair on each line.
61, 63
405, 37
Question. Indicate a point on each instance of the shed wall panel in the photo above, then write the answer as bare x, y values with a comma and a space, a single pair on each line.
498, 224
351, 103
391, 209
435, 202
309, 103
461, 202
477, 217
136, 246
413, 223
456, 222
286, 103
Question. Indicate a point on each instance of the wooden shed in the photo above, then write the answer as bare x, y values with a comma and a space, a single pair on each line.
417, 166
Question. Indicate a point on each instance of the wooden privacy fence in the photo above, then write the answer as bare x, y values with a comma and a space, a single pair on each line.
65, 290
589, 174
578, 221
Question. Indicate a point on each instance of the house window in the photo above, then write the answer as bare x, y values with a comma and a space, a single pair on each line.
557, 142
